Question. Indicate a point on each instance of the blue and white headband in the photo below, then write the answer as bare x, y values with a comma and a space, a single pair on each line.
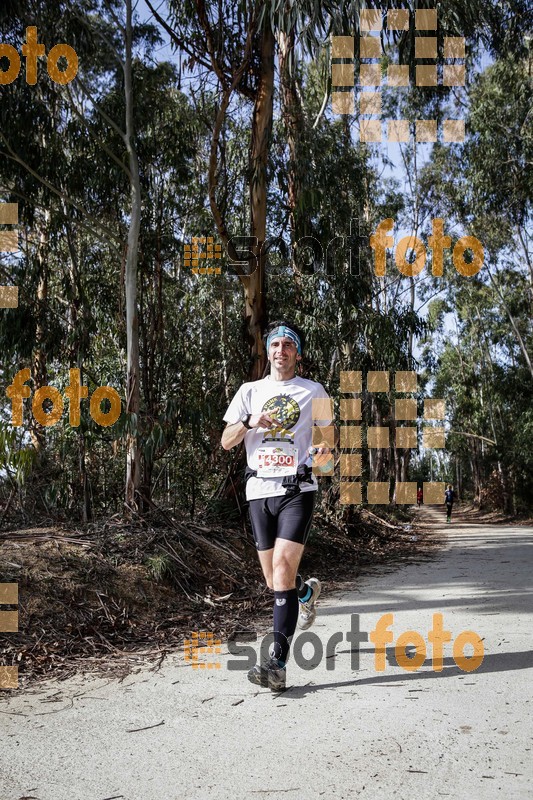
282, 330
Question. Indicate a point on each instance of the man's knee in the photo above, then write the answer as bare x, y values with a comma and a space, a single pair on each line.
284, 575
268, 575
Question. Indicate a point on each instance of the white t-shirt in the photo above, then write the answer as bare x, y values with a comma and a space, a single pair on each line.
290, 402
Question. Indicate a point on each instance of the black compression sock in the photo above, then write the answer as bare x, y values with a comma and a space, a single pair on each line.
285, 618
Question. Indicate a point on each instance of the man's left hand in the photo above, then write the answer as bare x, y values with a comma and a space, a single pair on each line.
322, 448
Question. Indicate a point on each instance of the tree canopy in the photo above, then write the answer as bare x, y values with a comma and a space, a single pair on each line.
189, 120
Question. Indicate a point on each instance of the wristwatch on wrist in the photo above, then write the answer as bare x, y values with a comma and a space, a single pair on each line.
245, 420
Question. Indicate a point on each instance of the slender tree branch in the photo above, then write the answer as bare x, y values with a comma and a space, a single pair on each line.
112, 124
173, 35
204, 22
14, 157
111, 240
117, 21
98, 32
475, 436
215, 138
97, 137
521, 342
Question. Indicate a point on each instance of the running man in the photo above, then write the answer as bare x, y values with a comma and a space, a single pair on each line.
449, 497
419, 497
274, 416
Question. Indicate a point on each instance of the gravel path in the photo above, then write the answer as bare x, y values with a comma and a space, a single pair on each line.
338, 731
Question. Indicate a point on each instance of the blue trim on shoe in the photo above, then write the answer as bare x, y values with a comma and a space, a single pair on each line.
307, 596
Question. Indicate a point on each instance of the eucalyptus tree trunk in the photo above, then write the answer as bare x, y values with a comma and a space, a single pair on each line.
224, 345
458, 478
476, 472
259, 50
151, 344
514, 326
39, 369
78, 336
293, 119
254, 285
133, 465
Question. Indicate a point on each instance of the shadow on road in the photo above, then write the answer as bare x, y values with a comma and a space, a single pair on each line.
492, 662
509, 589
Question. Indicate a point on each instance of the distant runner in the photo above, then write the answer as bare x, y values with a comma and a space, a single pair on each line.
449, 497
419, 497
274, 417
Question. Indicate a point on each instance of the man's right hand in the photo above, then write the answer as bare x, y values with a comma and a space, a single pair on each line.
263, 421
235, 433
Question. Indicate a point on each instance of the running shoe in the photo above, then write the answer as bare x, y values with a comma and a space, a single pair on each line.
307, 613
269, 675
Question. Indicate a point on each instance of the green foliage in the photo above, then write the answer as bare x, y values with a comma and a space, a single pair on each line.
16, 460
63, 160
159, 567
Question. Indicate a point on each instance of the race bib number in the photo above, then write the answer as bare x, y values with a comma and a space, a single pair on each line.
278, 461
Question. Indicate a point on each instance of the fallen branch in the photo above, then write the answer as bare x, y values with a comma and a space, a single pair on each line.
134, 730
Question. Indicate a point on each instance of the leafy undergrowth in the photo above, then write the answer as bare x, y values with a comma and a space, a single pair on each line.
111, 595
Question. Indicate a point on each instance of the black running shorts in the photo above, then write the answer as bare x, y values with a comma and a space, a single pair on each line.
281, 518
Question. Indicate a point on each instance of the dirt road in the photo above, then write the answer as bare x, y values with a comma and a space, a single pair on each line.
339, 731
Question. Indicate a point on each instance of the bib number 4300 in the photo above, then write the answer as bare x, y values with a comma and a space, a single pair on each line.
276, 461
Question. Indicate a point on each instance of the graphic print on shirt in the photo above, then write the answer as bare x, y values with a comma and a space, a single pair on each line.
287, 412
279, 457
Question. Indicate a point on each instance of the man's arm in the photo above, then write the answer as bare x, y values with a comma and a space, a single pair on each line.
324, 453
234, 433
323, 446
